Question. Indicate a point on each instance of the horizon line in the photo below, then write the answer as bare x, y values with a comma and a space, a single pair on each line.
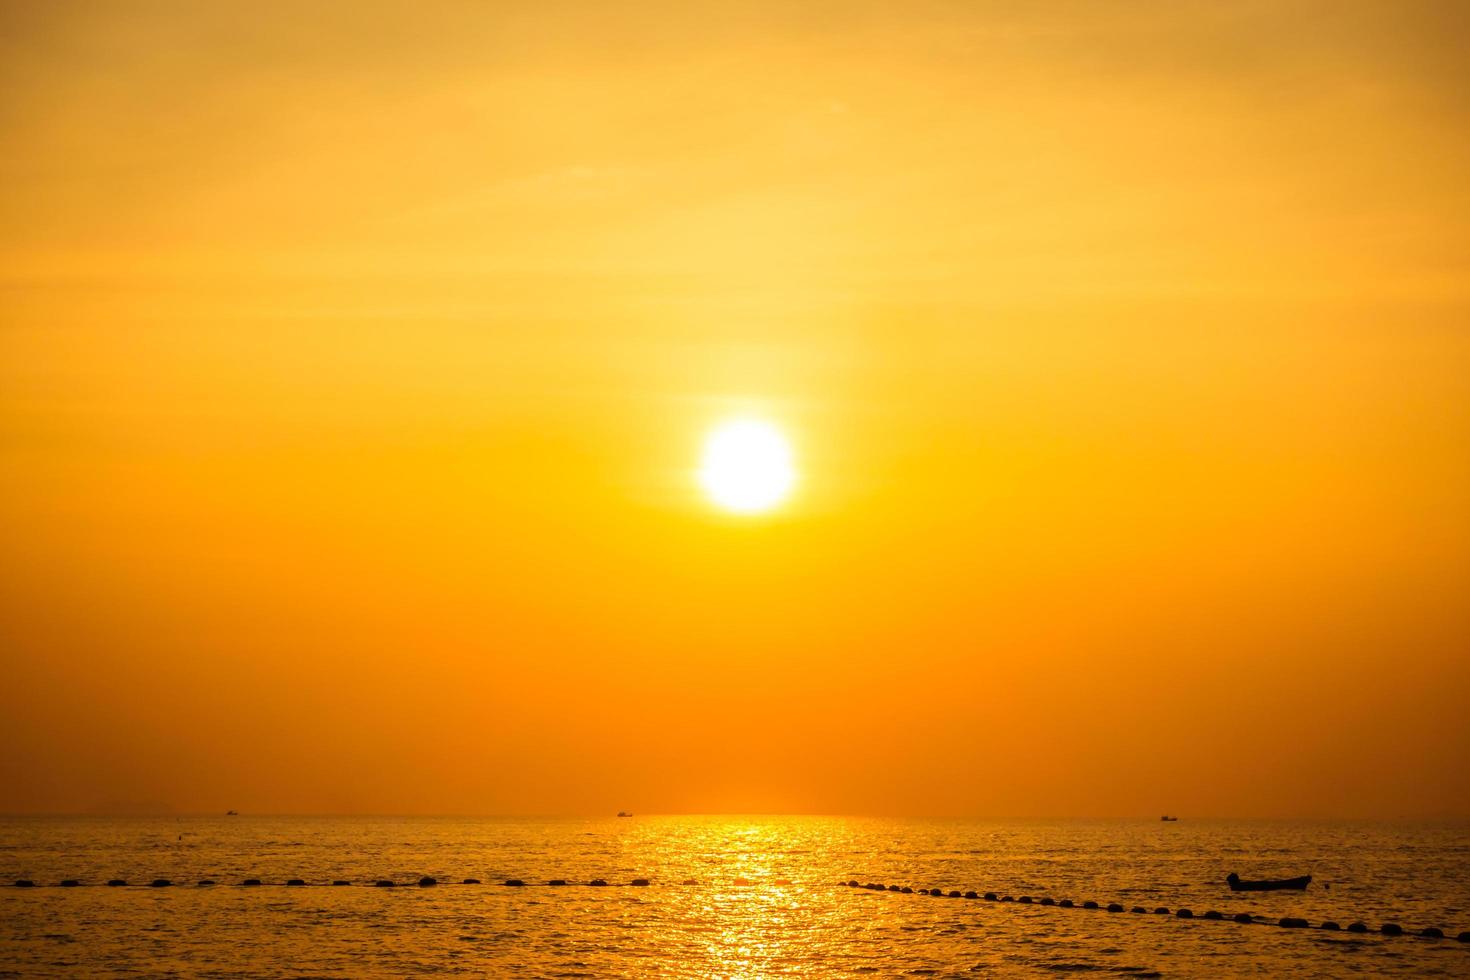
732, 814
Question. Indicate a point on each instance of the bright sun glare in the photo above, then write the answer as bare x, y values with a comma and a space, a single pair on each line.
747, 466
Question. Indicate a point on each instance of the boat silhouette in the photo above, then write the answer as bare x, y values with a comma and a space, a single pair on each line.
1239, 884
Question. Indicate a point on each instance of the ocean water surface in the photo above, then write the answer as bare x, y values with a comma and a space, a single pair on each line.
767, 899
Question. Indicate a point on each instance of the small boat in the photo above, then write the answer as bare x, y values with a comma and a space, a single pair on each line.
624, 813
1239, 884
1168, 819
232, 813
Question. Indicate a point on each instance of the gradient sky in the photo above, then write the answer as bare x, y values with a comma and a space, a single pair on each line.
355, 358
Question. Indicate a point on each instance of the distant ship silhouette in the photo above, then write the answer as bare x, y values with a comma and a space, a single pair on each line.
1168, 819
624, 813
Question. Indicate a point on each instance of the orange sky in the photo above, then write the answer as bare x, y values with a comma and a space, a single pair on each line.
355, 359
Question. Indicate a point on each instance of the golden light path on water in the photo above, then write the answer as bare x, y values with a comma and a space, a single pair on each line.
767, 901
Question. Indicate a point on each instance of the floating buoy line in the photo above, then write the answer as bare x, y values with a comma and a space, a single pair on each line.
1243, 918
424, 882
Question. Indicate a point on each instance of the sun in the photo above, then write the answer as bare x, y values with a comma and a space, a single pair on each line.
747, 466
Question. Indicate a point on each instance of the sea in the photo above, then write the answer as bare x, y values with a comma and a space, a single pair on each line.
727, 897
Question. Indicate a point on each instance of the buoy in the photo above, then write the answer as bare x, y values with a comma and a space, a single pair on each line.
1089, 905
1066, 903
115, 883
206, 883
1464, 937
1329, 926
1392, 929
384, 883
1290, 923
1161, 911
1245, 918
1138, 910
990, 896
1432, 933
427, 882
692, 881
295, 883
1048, 901
639, 882
557, 882
1213, 915
1114, 907
25, 883
159, 883
972, 894
70, 883
1024, 899
340, 882
1184, 914
251, 881
850, 884
1358, 927
893, 888
907, 890
1007, 898
954, 894
597, 883
514, 883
